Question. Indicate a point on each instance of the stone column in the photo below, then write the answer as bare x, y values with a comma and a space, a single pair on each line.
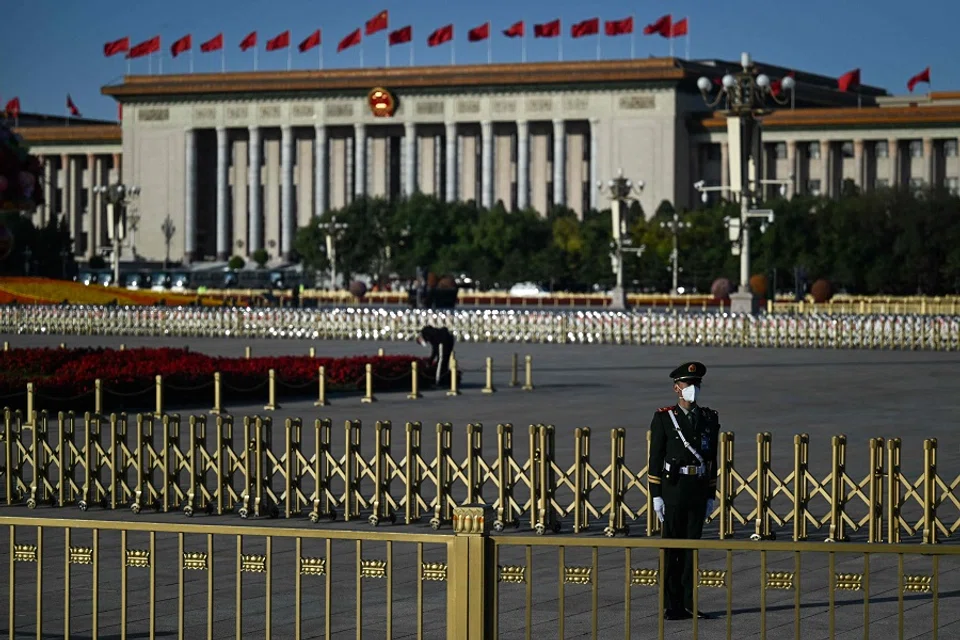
794, 173
64, 186
320, 170
594, 154
893, 154
410, 159
360, 159
90, 218
47, 190
826, 174
254, 216
223, 196
437, 166
190, 193
929, 174
725, 164
116, 167
102, 177
486, 164
523, 164
451, 161
559, 163
288, 225
859, 174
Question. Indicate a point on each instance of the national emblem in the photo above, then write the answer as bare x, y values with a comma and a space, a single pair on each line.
381, 102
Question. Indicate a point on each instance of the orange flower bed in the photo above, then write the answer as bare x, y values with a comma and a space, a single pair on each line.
45, 291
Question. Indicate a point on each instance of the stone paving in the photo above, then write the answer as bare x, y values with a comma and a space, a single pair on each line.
862, 394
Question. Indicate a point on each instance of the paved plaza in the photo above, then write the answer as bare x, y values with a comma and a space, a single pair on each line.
862, 394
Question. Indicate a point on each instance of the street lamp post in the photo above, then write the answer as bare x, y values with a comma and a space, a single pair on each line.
620, 191
675, 225
744, 93
119, 196
167, 228
332, 229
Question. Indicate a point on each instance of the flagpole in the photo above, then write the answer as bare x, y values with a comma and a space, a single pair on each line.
523, 48
411, 53
150, 64
191, 57
598, 46
633, 39
128, 65
388, 53
686, 42
320, 48
453, 54
489, 48
289, 58
255, 59
560, 42
223, 60
671, 39
361, 54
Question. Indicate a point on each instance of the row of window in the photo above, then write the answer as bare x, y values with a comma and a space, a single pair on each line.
881, 149
952, 184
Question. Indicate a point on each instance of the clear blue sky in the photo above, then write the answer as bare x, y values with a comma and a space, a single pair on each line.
53, 47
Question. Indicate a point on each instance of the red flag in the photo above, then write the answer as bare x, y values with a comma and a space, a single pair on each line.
213, 44
662, 27
849, 80
117, 46
311, 41
547, 29
776, 87
13, 108
249, 42
479, 33
923, 76
72, 107
618, 27
145, 48
589, 27
282, 41
377, 23
351, 40
401, 36
515, 30
441, 35
181, 46
679, 29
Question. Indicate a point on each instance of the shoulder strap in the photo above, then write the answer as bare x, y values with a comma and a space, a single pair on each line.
676, 425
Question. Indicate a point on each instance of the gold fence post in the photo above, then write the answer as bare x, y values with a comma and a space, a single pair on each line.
271, 391
837, 489
514, 367
217, 405
313, 352
454, 383
30, 390
98, 396
489, 388
893, 491
123, 347
929, 491
159, 386
528, 366
6, 346
246, 352
322, 382
472, 574
63, 345
368, 369
380, 352
414, 382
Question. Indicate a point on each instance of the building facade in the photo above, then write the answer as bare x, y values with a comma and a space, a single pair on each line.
238, 161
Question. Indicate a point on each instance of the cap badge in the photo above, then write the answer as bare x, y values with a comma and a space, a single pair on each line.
692, 368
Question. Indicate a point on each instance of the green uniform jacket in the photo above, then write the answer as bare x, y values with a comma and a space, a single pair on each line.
666, 446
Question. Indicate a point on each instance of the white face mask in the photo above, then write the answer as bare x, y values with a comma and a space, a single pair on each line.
689, 393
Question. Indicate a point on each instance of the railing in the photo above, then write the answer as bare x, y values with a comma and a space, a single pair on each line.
250, 466
878, 305
916, 332
161, 579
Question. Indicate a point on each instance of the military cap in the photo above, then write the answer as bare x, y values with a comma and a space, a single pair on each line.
688, 372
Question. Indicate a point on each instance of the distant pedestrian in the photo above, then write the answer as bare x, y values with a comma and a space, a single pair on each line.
683, 480
441, 343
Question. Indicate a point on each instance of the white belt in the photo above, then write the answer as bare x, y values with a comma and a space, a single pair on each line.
688, 470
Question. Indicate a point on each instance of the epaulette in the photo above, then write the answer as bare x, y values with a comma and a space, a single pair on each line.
664, 409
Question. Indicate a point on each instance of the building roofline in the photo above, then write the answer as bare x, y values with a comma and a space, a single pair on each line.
74, 134
845, 117
524, 74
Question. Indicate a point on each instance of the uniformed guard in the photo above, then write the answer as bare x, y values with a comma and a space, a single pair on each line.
440, 342
683, 480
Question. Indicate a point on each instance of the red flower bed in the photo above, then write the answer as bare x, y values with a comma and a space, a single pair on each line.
62, 375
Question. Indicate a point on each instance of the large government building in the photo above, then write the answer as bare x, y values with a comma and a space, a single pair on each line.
235, 162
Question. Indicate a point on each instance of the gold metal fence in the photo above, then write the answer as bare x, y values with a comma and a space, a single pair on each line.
782, 330
192, 580
254, 467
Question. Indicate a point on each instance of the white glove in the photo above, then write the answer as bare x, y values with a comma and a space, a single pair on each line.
659, 508
710, 504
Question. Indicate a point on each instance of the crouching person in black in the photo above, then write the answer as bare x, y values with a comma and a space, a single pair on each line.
441, 343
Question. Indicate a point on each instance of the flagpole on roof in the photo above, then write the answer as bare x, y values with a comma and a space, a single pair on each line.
255, 58
160, 62
411, 52
361, 53
320, 49
387, 58
150, 64
560, 42
223, 60
191, 57
598, 46
453, 53
489, 44
523, 45
633, 39
128, 64
289, 57
686, 40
